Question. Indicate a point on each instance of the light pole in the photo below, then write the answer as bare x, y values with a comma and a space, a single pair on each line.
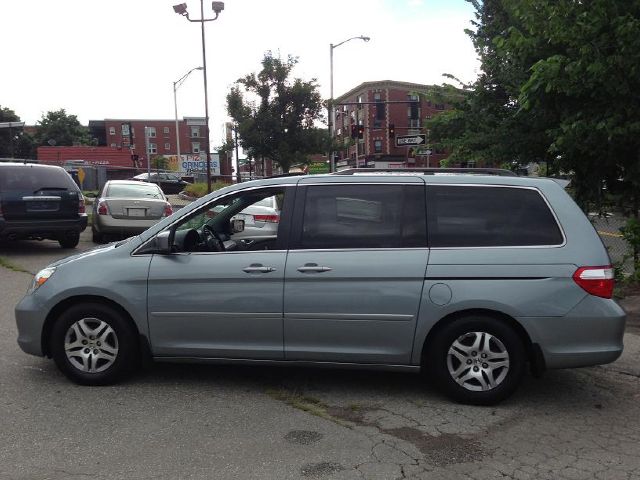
217, 8
330, 106
177, 85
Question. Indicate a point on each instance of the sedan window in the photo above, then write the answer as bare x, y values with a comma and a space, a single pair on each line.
133, 191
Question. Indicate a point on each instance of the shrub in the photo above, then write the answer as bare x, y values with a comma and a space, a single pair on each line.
199, 189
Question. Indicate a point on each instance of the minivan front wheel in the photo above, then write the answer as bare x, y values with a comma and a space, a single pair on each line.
477, 359
92, 344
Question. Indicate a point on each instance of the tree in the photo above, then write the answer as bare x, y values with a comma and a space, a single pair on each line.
159, 162
61, 128
486, 124
275, 115
21, 145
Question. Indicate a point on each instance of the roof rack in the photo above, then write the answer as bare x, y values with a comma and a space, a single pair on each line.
430, 171
292, 174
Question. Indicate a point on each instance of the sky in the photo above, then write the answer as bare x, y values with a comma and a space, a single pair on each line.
119, 58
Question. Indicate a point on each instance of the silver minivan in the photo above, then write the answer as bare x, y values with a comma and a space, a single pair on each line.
470, 277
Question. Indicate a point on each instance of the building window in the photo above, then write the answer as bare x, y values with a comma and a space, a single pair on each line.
377, 146
414, 123
380, 110
151, 131
359, 102
195, 132
166, 130
153, 148
195, 147
112, 130
167, 146
113, 145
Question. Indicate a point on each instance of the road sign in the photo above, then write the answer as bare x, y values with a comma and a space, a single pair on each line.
424, 151
81, 176
410, 140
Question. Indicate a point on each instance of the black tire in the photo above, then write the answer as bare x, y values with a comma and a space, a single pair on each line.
464, 330
122, 335
96, 236
69, 241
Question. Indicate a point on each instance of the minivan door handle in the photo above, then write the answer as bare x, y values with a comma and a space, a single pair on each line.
313, 268
258, 268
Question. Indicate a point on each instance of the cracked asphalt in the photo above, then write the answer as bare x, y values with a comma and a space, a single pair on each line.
214, 422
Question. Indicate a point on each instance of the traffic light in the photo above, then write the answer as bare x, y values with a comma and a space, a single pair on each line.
360, 131
392, 131
354, 131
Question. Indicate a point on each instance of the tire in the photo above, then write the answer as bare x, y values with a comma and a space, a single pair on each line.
93, 344
472, 373
70, 240
96, 236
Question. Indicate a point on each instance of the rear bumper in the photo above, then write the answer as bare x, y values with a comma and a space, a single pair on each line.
109, 225
41, 228
590, 334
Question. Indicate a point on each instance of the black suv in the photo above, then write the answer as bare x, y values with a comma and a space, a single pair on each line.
38, 202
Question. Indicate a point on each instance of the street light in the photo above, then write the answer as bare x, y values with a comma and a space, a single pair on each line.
330, 106
217, 7
177, 85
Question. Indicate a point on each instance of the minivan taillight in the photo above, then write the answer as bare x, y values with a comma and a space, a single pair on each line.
102, 208
267, 218
167, 210
81, 207
596, 281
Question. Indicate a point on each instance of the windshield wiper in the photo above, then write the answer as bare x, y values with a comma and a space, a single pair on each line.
50, 188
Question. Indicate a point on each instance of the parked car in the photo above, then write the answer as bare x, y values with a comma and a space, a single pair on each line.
169, 182
469, 277
40, 202
127, 208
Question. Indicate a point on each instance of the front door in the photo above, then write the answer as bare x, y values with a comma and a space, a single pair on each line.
216, 297
355, 273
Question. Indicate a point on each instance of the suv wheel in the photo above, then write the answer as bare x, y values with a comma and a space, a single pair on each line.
92, 344
70, 240
478, 360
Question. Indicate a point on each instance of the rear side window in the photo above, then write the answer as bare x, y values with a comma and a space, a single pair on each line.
33, 178
363, 216
481, 216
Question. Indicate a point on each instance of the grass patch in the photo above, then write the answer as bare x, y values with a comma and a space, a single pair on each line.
4, 263
306, 404
199, 189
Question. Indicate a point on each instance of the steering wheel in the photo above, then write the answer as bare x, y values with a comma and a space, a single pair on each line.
212, 239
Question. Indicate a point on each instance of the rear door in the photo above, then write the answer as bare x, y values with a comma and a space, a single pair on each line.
355, 272
37, 192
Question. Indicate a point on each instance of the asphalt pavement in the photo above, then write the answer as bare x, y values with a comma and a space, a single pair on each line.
214, 422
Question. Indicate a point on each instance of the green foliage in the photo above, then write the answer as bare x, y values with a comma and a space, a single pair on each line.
62, 128
159, 162
631, 233
22, 145
275, 114
199, 189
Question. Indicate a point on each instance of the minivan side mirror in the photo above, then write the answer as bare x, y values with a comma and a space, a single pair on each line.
163, 241
237, 226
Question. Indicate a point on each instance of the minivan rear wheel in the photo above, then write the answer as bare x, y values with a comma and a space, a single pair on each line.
93, 344
477, 359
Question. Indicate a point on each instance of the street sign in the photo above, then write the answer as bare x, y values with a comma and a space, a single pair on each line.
318, 167
81, 176
410, 140
424, 151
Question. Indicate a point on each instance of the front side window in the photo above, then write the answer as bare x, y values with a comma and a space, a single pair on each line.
363, 216
211, 228
485, 216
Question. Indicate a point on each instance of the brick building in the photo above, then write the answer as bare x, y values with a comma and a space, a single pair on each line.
374, 107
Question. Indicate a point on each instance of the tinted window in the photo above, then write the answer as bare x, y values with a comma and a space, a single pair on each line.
33, 178
470, 216
363, 216
123, 190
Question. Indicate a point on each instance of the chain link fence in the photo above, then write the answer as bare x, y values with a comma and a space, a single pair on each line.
608, 227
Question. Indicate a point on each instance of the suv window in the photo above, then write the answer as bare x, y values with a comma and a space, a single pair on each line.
34, 178
363, 216
485, 216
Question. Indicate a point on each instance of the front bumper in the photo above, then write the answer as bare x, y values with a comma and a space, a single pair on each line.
30, 319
